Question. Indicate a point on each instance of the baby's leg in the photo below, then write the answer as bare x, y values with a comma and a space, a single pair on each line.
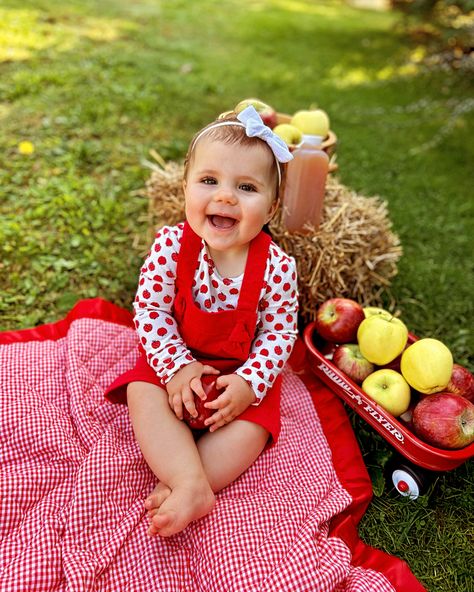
231, 450
171, 453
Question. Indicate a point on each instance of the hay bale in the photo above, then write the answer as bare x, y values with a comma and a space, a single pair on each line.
353, 254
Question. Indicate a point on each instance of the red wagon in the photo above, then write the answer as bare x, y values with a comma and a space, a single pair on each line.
406, 477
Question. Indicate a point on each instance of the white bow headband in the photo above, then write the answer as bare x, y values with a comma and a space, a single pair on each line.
251, 121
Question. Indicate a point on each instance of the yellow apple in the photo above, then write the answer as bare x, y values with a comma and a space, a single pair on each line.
375, 310
427, 365
312, 122
381, 339
389, 389
288, 133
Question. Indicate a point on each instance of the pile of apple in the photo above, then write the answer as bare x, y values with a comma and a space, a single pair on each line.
414, 380
312, 122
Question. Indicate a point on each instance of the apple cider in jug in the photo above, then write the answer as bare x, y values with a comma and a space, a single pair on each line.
305, 185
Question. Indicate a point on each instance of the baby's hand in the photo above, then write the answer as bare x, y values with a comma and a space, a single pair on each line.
235, 399
184, 384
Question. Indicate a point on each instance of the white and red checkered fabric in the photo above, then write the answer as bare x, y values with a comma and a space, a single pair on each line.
73, 483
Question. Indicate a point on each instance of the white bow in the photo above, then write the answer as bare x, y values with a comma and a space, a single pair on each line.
254, 127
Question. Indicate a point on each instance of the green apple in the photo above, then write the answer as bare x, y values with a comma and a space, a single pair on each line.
288, 133
266, 112
381, 339
389, 389
427, 365
375, 310
312, 122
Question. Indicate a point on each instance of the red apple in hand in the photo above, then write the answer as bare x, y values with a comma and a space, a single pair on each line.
212, 392
338, 319
461, 383
348, 358
445, 420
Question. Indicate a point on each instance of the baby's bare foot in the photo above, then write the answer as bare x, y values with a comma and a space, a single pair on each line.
156, 498
186, 503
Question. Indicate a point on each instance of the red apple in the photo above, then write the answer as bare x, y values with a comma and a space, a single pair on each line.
348, 358
445, 420
338, 319
461, 383
212, 392
266, 112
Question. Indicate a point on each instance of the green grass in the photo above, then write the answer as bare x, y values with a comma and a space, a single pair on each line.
94, 85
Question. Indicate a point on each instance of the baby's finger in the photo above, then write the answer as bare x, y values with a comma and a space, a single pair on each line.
209, 370
217, 420
223, 381
177, 405
188, 400
219, 403
223, 414
196, 385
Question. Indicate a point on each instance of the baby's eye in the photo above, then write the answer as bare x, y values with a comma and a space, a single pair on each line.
248, 187
208, 181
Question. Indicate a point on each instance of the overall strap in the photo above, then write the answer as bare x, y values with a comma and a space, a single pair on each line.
187, 258
254, 272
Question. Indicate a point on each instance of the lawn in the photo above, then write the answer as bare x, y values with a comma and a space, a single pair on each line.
93, 86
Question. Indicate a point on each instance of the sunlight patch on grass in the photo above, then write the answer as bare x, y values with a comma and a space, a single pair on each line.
390, 72
24, 32
99, 29
20, 34
343, 77
331, 10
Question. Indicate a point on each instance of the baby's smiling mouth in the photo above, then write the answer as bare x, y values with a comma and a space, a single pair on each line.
222, 222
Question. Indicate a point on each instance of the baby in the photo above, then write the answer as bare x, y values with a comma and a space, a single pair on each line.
215, 296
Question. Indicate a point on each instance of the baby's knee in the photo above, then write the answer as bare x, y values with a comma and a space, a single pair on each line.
250, 432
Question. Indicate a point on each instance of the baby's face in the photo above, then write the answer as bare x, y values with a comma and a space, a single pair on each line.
229, 193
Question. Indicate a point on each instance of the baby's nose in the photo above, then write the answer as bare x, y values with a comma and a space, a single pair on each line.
225, 195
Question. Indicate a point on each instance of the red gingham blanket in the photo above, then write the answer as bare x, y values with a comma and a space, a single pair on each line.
73, 483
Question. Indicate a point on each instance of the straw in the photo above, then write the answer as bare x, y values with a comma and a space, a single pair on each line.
353, 254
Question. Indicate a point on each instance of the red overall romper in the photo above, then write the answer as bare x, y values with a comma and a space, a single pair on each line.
222, 339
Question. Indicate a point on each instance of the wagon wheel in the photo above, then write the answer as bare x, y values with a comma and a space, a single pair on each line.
408, 479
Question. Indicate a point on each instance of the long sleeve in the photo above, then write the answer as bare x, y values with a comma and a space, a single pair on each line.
277, 325
156, 327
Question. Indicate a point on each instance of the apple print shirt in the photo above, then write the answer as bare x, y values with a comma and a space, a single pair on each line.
276, 328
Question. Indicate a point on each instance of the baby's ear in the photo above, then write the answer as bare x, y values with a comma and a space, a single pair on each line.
273, 209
